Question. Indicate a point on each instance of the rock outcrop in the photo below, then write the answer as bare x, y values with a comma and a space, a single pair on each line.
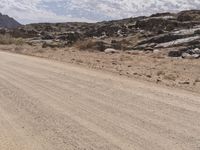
158, 31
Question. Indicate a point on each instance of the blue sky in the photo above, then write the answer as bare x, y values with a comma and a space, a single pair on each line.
29, 11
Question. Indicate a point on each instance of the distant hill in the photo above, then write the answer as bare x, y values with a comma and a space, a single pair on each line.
8, 22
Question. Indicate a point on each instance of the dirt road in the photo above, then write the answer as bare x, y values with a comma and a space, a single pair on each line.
46, 105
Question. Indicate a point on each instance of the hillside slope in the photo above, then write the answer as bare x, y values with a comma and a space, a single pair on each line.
8, 22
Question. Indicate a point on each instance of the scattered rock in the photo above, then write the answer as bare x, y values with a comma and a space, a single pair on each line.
195, 51
116, 44
162, 30
197, 80
100, 46
156, 51
197, 32
187, 53
69, 36
184, 82
24, 33
46, 36
111, 51
148, 76
134, 52
175, 54
190, 56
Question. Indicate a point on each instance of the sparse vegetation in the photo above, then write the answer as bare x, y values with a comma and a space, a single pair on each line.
155, 48
84, 45
90, 44
7, 39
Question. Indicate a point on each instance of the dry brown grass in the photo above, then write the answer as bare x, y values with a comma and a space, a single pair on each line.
85, 45
91, 45
7, 40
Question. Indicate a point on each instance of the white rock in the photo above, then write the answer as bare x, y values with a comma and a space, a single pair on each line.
177, 42
156, 51
196, 51
188, 56
110, 50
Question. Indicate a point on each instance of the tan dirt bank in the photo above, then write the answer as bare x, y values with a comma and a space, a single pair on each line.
46, 105
145, 66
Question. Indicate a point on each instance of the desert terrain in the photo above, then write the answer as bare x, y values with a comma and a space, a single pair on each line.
47, 105
162, 48
154, 67
130, 84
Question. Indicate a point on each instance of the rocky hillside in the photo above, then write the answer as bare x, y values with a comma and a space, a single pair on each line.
8, 22
180, 31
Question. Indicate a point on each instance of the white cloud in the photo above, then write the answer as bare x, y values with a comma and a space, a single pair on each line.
125, 8
29, 11
88, 10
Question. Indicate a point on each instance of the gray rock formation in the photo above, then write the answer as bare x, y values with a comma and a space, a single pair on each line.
8, 22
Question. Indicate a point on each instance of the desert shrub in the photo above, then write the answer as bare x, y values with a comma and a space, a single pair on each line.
7, 39
18, 41
90, 44
86, 44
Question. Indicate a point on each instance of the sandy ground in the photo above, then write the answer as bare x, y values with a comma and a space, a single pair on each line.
47, 105
154, 67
